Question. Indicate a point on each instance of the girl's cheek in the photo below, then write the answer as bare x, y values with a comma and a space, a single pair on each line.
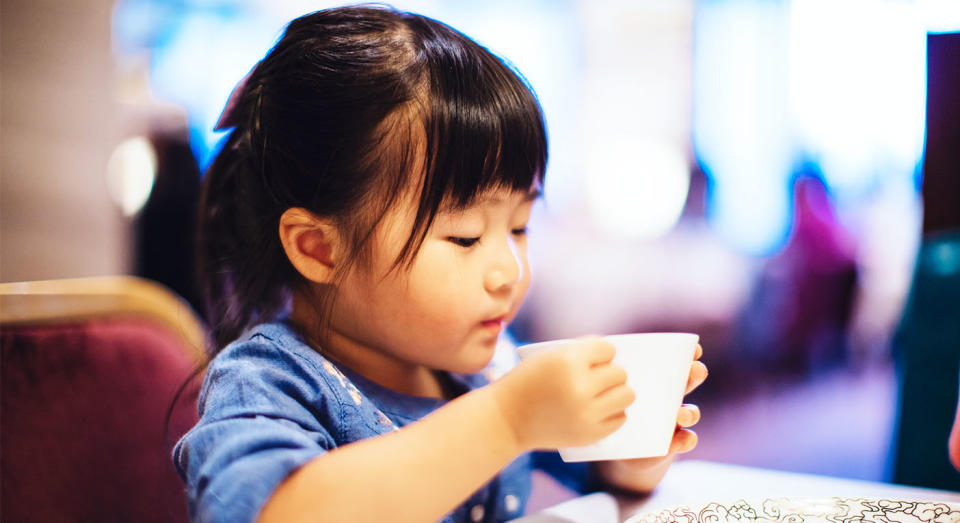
521, 291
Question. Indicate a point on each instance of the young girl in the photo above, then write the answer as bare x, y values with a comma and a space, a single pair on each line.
363, 247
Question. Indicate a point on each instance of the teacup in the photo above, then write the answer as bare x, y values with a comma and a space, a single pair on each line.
657, 366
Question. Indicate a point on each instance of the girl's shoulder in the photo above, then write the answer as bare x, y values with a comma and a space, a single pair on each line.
275, 357
272, 371
269, 345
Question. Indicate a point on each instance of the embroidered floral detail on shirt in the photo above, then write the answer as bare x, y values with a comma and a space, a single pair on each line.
344, 382
355, 394
383, 419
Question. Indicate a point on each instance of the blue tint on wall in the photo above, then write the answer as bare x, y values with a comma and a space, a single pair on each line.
741, 128
778, 83
198, 51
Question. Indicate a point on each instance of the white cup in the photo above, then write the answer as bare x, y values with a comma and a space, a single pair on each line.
657, 366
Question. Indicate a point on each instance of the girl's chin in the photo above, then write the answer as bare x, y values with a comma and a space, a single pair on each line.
474, 364
471, 368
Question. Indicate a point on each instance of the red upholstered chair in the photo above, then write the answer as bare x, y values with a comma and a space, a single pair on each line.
89, 369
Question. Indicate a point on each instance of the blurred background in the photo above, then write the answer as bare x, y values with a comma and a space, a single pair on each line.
749, 170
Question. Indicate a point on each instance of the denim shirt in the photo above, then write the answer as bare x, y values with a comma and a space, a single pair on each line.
270, 403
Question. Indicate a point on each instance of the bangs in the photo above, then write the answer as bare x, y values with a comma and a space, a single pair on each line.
484, 132
484, 128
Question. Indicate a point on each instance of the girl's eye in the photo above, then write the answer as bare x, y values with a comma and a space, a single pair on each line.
463, 242
520, 231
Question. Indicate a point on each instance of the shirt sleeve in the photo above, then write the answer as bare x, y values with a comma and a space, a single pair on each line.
259, 423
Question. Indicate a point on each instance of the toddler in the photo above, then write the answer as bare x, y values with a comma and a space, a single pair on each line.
363, 246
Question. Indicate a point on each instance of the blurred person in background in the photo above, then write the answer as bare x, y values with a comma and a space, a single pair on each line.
799, 311
927, 343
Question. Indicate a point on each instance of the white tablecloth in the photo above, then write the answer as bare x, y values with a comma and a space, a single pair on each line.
698, 483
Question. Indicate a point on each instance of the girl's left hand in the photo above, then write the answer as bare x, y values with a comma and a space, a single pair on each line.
643, 474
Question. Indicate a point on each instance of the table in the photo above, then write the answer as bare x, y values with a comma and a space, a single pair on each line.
696, 483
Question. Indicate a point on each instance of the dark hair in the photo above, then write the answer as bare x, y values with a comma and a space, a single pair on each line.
332, 120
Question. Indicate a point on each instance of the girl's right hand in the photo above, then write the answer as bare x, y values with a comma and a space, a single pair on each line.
570, 396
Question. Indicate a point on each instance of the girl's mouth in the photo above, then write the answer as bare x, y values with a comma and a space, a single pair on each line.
495, 323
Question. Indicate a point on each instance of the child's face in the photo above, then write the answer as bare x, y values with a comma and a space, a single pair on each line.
446, 311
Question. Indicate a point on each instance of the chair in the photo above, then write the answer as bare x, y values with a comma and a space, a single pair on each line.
89, 370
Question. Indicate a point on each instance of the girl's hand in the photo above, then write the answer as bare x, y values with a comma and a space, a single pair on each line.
643, 474
569, 396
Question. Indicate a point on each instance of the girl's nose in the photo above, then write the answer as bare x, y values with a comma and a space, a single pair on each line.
506, 269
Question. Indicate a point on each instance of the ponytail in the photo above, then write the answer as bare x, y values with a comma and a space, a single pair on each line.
243, 270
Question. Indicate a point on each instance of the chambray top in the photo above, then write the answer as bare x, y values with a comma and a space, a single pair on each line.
270, 403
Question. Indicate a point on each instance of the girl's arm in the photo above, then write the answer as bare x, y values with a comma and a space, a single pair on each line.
567, 397
418, 473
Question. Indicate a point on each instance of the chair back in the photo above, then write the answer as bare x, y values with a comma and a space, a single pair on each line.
90, 369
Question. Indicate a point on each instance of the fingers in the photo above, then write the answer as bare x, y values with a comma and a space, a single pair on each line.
698, 373
605, 377
614, 401
684, 440
698, 353
605, 427
597, 350
688, 415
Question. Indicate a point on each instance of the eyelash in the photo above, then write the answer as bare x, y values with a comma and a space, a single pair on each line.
463, 242
470, 242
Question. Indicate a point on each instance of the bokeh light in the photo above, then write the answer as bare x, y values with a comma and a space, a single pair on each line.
636, 188
131, 171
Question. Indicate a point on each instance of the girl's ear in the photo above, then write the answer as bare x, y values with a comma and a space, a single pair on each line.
311, 244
